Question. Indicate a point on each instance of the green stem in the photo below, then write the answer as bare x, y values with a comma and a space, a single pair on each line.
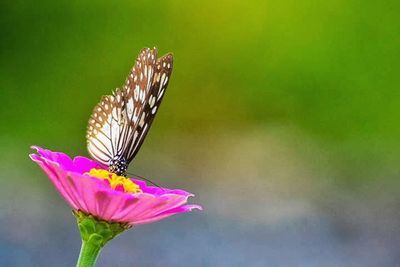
95, 234
88, 254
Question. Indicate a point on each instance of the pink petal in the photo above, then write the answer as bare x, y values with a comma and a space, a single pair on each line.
94, 196
168, 213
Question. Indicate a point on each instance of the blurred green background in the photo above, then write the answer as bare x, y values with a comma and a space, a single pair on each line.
282, 116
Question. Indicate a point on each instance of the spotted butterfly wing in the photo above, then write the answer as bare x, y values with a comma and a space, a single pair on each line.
106, 128
120, 122
158, 84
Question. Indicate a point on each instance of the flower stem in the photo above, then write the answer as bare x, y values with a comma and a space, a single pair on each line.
95, 234
88, 254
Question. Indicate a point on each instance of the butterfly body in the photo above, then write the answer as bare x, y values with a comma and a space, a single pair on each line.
120, 122
118, 166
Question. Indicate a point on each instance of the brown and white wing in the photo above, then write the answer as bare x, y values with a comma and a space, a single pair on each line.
120, 122
106, 128
136, 90
151, 102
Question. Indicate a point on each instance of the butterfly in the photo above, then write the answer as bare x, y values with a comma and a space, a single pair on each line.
120, 122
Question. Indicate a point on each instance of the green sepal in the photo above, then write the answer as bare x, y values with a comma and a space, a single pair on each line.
97, 232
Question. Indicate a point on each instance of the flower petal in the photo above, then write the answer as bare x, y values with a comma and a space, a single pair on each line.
168, 213
95, 196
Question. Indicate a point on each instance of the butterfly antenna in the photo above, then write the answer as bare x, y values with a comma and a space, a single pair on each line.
147, 180
137, 176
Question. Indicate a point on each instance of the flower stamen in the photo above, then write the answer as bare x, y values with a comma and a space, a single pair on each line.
115, 181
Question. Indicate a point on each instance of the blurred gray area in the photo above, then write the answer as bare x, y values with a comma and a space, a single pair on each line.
282, 211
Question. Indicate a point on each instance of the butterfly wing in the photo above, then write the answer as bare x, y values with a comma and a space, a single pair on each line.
120, 122
106, 128
158, 85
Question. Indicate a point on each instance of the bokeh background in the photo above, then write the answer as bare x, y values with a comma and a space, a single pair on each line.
283, 117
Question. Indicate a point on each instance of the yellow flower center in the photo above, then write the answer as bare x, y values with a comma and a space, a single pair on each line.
115, 180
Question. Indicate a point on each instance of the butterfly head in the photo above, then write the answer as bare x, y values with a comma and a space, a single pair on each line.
118, 166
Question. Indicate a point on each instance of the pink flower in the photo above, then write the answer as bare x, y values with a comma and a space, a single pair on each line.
87, 186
